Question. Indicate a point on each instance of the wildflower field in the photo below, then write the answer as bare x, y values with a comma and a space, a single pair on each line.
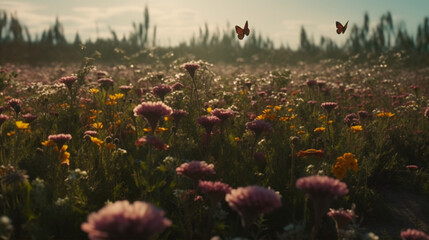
193, 150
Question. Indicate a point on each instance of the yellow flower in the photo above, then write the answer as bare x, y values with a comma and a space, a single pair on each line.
94, 90
21, 125
48, 143
330, 122
243, 92
98, 125
111, 102
278, 108
385, 114
97, 141
319, 129
209, 109
344, 163
300, 132
290, 110
110, 146
356, 128
167, 118
93, 117
266, 110
283, 119
95, 111
322, 117
291, 127
65, 105
118, 122
292, 117
116, 96
9, 134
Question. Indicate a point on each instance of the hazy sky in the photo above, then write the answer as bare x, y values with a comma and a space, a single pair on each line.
178, 20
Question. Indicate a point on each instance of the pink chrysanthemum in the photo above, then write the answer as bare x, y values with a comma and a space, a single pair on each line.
60, 139
178, 115
29, 117
322, 187
152, 112
329, 106
216, 190
122, 220
222, 113
342, 217
195, 170
68, 81
259, 126
208, 122
105, 83
153, 141
252, 201
3, 118
191, 67
161, 90
414, 234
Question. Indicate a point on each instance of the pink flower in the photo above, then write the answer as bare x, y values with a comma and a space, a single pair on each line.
427, 113
328, 106
15, 104
195, 170
29, 117
191, 67
412, 167
216, 190
105, 83
222, 113
152, 112
342, 217
90, 133
259, 126
3, 118
322, 187
208, 122
252, 201
125, 88
311, 83
153, 141
60, 139
414, 234
177, 86
161, 90
122, 220
68, 81
178, 115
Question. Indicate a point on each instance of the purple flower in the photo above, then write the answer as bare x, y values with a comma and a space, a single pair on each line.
252, 201
178, 115
342, 217
68, 81
60, 139
177, 86
328, 106
161, 90
105, 83
191, 67
208, 122
29, 117
414, 234
152, 112
216, 190
312, 102
122, 220
259, 126
223, 114
322, 187
3, 118
351, 119
153, 141
195, 170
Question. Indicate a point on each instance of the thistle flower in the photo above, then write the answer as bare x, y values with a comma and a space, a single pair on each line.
161, 90
328, 106
351, 119
191, 67
153, 141
414, 234
215, 190
222, 113
29, 117
195, 170
208, 122
252, 201
259, 127
60, 139
68, 81
152, 112
122, 220
3, 118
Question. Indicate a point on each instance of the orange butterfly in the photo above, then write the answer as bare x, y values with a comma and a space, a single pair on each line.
341, 28
241, 32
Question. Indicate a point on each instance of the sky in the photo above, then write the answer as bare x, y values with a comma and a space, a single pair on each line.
178, 20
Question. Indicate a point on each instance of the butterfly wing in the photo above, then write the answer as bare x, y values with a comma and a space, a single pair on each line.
246, 29
340, 27
240, 32
345, 27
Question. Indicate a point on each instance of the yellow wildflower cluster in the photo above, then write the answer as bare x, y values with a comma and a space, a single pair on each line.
344, 163
385, 114
63, 155
319, 129
94, 90
357, 128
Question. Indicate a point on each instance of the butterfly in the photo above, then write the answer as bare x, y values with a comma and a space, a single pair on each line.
341, 28
241, 32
